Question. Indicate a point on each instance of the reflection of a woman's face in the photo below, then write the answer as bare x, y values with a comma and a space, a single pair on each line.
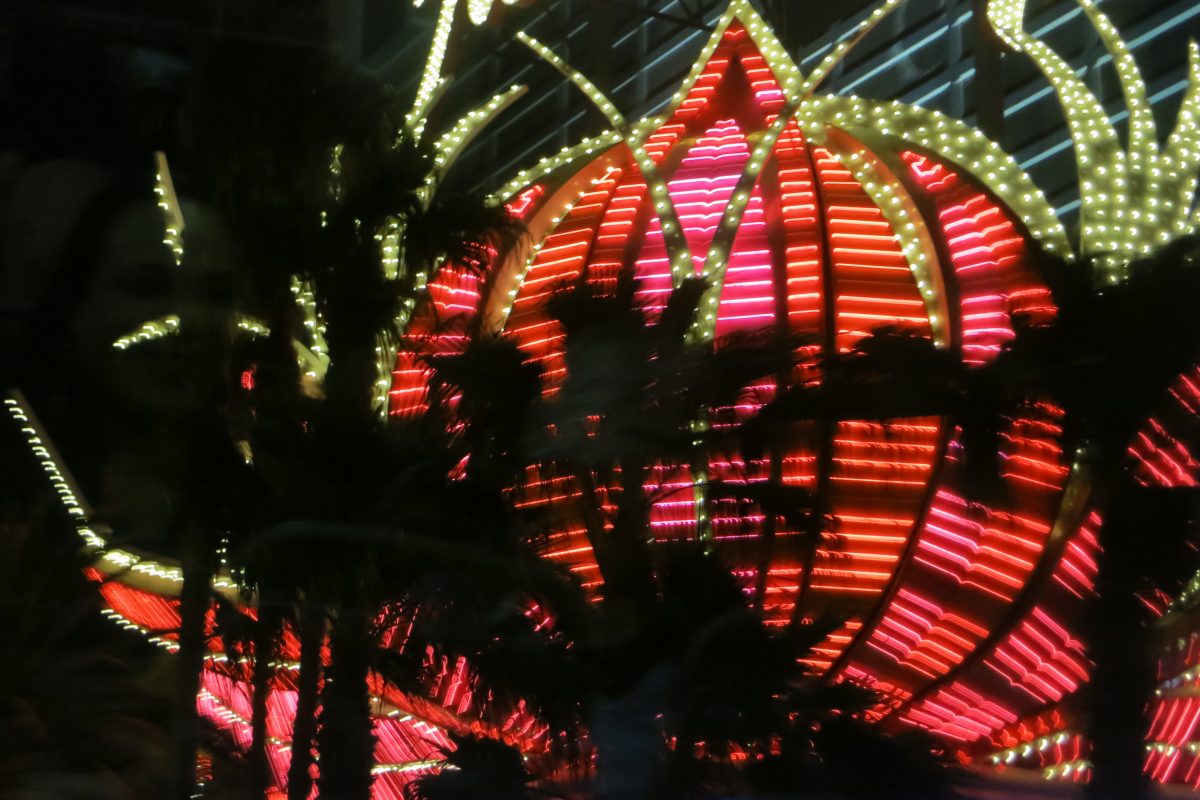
143, 392
135, 280
131, 282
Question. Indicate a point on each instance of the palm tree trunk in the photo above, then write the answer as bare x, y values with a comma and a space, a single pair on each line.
623, 561
265, 629
811, 540
346, 741
1122, 683
194, 604
1143, 542
633, 530
770, 530
989, 78
304, 728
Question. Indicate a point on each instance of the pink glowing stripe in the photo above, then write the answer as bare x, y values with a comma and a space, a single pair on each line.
1039, 661
960, 712
1040, 658
1161, 458
1079, 566
523, 203
700, 188
988, 257
748, 300
970, 556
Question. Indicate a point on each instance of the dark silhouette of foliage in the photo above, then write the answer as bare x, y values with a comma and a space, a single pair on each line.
673, 675
481, 768
78, 717
1108, 359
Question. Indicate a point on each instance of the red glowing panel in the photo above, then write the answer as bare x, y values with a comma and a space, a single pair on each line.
1041, 658
879, 478
768, 96
970, 562
564, 539
1038, 661
988, 255
922, 635
871, 276
702, 92
1162, 451
561, 261
672, 492
1077, 570
1174, 725
623, 221
150, 611
439, 327
1031, 452
803, 242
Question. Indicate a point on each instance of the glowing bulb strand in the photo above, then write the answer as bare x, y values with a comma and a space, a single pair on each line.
478, 11
149, 331
113, 561
168, 203
1102, 162
550, 164
1181, 157
673, 236
431, 79
1143, 135
951, 140
450, 145
846, 45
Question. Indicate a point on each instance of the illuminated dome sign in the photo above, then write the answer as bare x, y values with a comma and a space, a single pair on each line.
832, 217
828, 217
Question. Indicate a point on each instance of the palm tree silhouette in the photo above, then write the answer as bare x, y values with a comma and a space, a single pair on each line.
1108, 358
673, 676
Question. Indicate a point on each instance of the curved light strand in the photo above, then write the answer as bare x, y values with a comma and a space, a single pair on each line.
451, 144
550, 164
168, 202
716, 261
1102, 164
1132, 199
432, 80
673, 236
908, 226
1182, 153
956, 142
